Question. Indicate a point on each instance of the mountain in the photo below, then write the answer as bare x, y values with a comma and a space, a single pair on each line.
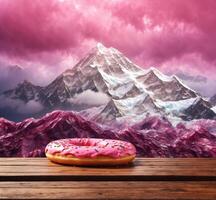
126, 91
10, 76
152, 137
29, 138
100, 71
14, 69
164, 87
24, 91
198, 109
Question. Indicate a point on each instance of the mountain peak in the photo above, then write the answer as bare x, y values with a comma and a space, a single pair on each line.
15, 68
100, 46
26, 82
160, 75
102, 49
106, 72
24, 91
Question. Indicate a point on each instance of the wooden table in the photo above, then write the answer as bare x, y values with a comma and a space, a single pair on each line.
147, 178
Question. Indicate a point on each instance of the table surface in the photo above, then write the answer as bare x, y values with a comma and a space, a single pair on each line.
146, 178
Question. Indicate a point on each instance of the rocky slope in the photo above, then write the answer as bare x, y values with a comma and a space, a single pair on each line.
29, 138
153, 137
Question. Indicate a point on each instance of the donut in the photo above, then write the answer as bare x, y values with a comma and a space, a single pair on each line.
90, 152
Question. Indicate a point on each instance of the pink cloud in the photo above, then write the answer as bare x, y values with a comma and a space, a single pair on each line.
150, 32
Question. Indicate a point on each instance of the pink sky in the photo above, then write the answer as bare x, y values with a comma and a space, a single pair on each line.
54, 34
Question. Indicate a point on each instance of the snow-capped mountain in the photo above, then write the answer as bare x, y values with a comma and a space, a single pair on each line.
100, 71
24, 91
124, 89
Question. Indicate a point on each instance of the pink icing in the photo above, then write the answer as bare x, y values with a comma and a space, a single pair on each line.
91, 148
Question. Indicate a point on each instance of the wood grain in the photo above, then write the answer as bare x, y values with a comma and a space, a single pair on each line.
146, 178
108, 190
148, 169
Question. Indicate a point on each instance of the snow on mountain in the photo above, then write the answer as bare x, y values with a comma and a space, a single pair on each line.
201, 108
187, 108
214, 109
164, 87
131, 91
175, 107
102, 70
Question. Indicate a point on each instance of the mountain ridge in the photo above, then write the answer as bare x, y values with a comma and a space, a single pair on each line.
152, 137
132, 90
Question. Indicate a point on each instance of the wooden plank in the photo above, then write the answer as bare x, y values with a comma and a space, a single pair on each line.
108, 190
40, 169
9, 160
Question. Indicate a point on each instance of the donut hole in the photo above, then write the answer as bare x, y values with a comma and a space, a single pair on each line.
82, 142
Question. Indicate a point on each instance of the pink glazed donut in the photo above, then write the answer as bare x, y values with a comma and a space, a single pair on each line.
90, 151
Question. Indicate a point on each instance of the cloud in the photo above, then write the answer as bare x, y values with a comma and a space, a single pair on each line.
90, 97
30, 107
19, 106
150, 32
8, 102
10, 76
51, 25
